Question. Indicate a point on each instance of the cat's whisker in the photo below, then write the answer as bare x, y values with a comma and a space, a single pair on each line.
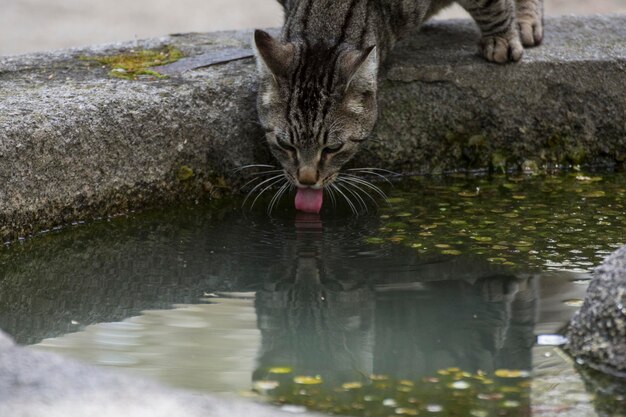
258, 176
331, 194
274, 178
272, 184
373, 169
352, 207
372, 173
241, 168
358, 180
270, 205
346, 186
249, 182
265, 172
334, 187
277, 196
261, 173
368, 185
288, 186
358, 187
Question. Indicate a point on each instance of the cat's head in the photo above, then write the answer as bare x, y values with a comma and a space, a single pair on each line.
317, 104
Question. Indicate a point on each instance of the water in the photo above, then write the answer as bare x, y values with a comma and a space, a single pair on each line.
448, 301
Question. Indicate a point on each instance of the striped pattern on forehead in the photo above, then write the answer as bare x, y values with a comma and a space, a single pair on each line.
310, 89
324, 28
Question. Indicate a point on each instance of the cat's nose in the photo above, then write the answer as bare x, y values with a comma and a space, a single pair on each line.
307, 175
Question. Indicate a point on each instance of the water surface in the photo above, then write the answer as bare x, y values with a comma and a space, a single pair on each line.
446, 301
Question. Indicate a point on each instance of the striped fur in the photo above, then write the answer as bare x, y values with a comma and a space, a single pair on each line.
318, 80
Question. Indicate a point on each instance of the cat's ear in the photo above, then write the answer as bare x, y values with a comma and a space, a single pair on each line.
272, 56
359, 69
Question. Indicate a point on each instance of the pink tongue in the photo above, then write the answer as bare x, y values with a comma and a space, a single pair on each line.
309, 200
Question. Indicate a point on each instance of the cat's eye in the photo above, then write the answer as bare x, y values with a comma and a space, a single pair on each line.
285, 145
330, 149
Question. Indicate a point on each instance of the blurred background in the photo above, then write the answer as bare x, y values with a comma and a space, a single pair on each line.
39, 25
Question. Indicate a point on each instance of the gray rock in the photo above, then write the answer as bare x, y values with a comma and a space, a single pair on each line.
597, 333
77, 144
39, 384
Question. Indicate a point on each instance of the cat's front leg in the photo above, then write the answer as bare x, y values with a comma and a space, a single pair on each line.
530, 21
500, 36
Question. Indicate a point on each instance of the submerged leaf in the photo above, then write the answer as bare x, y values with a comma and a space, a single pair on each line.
308, 380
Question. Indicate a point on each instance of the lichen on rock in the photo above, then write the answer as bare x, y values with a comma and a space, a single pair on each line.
135, 63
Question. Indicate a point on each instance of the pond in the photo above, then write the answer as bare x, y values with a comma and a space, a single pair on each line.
447, 300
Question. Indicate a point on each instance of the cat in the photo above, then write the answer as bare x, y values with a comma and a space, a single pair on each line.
318, 81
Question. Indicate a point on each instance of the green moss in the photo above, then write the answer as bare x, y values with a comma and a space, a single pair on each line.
217, 187
132, 64
477, 141
531, 167
562, 147
498, 162
576, 154
184, 173
451, 136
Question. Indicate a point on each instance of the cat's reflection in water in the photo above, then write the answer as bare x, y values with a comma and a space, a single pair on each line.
315, 324
318, 325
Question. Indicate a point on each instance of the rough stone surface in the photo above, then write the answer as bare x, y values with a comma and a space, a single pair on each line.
597, 333
40, 384
77, 144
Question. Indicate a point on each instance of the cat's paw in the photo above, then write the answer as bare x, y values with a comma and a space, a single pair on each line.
530, 29
502, 48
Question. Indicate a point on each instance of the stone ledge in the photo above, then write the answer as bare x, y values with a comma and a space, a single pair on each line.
76, 144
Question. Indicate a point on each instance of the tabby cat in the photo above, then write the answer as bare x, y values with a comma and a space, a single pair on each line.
318, 80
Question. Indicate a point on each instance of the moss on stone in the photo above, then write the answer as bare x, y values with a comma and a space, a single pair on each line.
477, 141
576, 155
132, 64
184, 173
530, 166
498, 162
217, 186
